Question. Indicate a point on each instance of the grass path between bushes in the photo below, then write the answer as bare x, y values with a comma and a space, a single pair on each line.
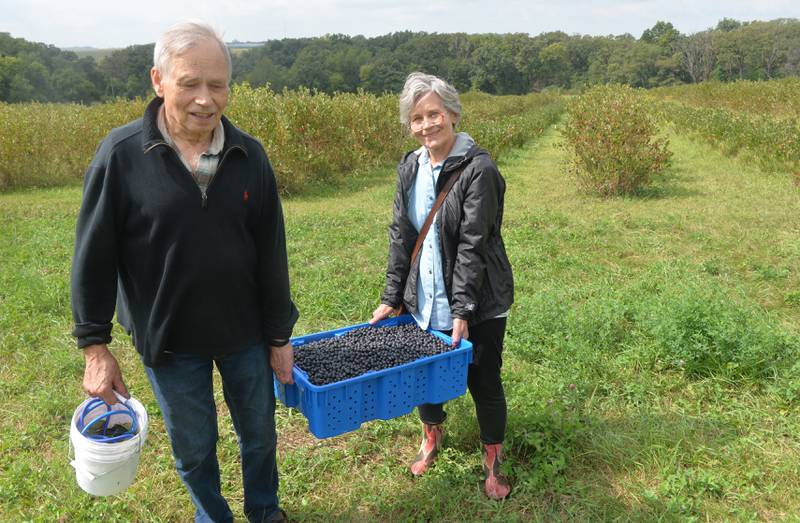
648, 358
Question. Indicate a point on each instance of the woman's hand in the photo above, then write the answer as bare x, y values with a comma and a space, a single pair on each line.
460, 330
382, 312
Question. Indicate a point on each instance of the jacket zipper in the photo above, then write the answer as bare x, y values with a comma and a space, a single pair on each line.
204, 194
219, 167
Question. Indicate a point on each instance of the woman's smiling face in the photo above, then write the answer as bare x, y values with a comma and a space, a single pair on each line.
432, 126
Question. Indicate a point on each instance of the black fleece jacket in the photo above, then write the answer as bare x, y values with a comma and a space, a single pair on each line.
189, 275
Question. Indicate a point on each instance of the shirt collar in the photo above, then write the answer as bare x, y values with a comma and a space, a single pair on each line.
217, 138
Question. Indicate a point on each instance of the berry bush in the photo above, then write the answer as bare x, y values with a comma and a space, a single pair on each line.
612, 136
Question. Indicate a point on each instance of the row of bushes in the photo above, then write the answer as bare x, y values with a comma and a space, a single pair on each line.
778, 98
502, 123
773, 142
611, 133
311, 137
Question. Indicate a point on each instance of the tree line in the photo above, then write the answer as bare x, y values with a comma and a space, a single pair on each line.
492, 63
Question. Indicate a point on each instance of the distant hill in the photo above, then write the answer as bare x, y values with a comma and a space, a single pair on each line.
92, 52
243, 45
493, 63
100, 53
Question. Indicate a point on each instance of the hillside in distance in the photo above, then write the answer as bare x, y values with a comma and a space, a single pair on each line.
492, 63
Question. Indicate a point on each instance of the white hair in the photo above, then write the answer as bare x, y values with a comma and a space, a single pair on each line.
180, 38
418, 85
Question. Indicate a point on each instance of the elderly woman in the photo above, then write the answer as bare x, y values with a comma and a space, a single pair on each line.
460, 280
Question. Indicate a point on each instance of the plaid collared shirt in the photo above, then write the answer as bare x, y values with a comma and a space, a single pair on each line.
207, 162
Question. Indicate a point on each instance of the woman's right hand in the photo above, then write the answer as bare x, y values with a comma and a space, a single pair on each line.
382, 312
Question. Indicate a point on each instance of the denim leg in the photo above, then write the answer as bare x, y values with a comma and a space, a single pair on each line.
184, 389
249, 393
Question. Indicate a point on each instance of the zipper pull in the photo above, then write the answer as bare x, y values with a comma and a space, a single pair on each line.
205, 200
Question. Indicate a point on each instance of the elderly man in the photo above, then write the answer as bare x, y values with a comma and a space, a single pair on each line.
181, 225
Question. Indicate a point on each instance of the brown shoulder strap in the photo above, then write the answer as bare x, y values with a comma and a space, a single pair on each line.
429, 220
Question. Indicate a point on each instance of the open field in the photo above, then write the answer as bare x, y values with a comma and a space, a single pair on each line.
649, 367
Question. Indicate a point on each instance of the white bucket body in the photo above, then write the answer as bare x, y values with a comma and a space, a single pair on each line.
103, 469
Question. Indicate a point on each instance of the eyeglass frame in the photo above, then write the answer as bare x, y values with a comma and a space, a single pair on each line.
432, 120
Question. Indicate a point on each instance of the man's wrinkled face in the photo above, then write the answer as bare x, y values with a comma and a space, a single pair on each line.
195, 91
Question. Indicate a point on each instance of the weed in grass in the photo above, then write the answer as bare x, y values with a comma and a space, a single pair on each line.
792, 298
712, 266
698, 328
686, 488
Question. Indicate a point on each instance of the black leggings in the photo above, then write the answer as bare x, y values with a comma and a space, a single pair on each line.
483, 381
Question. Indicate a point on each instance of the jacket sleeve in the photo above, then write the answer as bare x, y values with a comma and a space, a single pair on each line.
278, 309
93, 286
481, 203
399, 256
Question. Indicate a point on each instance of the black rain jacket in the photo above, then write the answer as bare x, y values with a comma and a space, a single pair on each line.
476, 269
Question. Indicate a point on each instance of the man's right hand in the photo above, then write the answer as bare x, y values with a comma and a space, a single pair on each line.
102, 375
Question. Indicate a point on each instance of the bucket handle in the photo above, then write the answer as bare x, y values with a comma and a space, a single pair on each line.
107, 415
124, 401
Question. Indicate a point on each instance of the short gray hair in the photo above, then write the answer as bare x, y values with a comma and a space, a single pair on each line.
180, 38
418, 85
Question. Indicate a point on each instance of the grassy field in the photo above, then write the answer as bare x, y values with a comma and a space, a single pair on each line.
649, 360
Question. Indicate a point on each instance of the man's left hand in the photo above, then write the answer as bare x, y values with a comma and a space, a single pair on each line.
281, 359
460, 330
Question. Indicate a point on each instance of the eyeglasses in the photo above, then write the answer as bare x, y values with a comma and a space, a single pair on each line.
419, 122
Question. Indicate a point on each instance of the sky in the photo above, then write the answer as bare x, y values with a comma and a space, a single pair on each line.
105, 24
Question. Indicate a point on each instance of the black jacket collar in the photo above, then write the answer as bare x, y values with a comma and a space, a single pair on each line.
151, 136
410, 161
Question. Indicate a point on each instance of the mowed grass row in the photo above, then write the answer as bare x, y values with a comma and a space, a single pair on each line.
648, 359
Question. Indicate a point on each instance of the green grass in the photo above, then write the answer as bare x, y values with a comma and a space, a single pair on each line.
649, 361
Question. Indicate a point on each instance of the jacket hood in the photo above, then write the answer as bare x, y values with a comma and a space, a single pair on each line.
464, 150
461, 145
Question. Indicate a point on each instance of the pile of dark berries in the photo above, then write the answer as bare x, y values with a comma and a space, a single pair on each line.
365, 349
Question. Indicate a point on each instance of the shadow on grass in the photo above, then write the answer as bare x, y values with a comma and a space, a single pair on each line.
565, 464
673, 183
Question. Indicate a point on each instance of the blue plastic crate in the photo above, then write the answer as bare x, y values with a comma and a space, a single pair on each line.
343, 406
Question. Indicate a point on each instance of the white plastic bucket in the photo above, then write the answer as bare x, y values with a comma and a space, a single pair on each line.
103, 468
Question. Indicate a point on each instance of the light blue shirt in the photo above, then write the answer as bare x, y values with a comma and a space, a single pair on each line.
433, 307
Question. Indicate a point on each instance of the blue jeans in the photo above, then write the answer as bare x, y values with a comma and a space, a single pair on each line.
184, 389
